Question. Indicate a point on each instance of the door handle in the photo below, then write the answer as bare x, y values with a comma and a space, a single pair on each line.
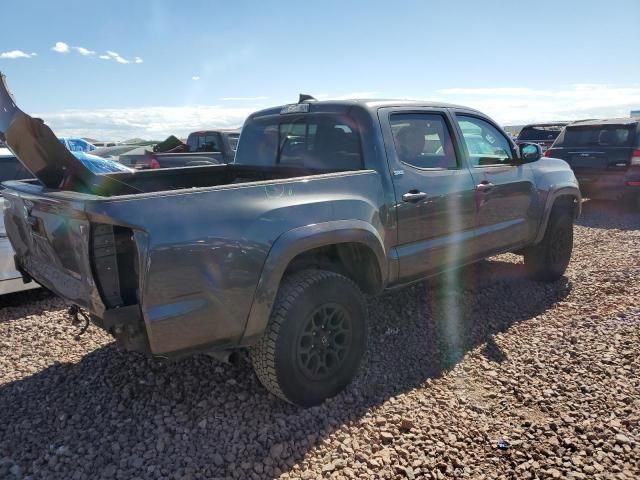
484, 186
413, 196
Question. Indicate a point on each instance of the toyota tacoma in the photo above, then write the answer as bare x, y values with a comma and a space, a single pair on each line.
325, 202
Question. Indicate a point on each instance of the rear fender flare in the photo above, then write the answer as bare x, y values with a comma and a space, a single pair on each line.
297, 241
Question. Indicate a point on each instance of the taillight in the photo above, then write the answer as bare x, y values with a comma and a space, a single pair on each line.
635, 157
547, 152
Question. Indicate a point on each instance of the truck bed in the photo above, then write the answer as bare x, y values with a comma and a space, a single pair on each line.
150, 181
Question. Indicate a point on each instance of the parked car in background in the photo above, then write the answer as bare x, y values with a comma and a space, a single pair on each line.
77, 144
605, 156
100, 165
10, 279
207, 147
325, 202
544, 134
126, 154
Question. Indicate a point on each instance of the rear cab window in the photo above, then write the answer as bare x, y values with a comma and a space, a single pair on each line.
204, 142
598, 136
537, 133
320, 141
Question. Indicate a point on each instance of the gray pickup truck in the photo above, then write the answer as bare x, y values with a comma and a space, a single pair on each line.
205, 147
326, 202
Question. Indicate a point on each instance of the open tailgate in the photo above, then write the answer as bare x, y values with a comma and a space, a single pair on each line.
38, 149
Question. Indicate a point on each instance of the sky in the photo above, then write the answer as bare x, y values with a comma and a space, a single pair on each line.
143, 68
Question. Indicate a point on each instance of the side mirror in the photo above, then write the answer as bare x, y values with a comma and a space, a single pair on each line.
530, 152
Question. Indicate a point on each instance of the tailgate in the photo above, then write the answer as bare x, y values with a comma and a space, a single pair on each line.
51, 240
590, 160
614, 159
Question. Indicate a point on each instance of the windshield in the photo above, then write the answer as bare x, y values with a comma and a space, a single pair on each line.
597, 135
320, 141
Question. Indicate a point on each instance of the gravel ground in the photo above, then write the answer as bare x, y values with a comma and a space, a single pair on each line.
454, 367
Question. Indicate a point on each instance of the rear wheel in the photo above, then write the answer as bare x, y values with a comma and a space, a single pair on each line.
315, 338
548, 260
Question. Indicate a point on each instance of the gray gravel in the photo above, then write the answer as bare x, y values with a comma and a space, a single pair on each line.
454, 367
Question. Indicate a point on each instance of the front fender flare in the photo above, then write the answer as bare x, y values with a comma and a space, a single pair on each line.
551, 198
299, 240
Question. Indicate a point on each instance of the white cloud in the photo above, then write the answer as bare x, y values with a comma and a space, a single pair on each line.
522, 105
60, 47
13, 54
111, 55
242, 99
508, 91
84, 51
195, 77
146, 122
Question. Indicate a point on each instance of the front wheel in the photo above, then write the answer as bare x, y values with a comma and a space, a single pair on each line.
315, 338
548, 260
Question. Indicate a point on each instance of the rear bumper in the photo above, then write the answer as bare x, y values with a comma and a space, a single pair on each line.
609, 187
127, 326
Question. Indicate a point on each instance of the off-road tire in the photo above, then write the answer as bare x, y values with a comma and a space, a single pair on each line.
277, 358
548, 260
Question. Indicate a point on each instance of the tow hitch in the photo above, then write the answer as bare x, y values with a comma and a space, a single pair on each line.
74, 312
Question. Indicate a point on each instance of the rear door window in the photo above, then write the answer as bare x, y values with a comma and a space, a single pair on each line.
320, 141
423, 140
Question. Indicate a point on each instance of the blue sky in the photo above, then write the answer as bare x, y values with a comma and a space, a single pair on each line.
206, 64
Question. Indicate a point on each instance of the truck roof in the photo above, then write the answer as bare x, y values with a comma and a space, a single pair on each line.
371, 104
546, 124
216, 130
607, 121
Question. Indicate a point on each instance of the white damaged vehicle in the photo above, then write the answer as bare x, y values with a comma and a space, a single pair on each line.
10, 278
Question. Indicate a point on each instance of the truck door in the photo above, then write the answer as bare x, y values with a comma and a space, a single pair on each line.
433, 188
505, 190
